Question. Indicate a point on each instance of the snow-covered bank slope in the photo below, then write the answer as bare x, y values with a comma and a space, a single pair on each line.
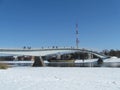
46, 78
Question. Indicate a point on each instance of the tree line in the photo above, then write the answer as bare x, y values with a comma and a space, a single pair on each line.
111, 52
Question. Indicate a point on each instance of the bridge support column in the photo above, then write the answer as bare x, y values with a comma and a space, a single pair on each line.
38, 62
90, 56
15, 58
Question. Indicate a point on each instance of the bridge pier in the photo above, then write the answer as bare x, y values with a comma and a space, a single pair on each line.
15, 57
38, 62
90, 56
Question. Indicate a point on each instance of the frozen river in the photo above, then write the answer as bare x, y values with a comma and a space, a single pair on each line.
111, 62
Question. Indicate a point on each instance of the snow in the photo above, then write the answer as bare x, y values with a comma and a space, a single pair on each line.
59, 78
85, 61
112, 60
114, 57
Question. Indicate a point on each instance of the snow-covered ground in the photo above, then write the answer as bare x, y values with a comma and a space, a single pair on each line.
59, 78
112, 59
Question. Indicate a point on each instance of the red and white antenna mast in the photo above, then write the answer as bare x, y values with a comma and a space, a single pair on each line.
77, 39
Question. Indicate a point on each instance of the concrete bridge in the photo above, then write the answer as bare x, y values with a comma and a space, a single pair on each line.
45, 51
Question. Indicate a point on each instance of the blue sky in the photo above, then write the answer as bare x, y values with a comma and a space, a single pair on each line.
38, 23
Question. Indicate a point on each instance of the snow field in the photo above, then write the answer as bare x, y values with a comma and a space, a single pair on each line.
58, 78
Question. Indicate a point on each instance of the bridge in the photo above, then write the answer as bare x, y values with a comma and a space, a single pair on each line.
39, 52
45, 51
